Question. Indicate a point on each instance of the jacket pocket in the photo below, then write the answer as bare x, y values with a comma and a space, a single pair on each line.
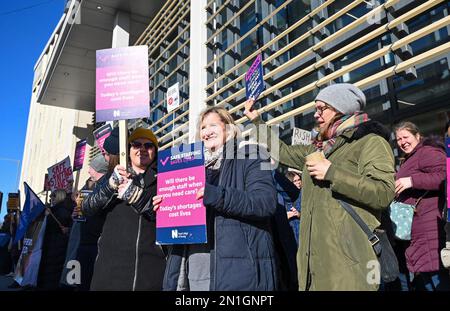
349, 242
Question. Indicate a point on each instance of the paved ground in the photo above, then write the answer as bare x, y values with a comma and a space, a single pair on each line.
5, 281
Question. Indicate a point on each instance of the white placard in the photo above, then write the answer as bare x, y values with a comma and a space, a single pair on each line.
301, 137
173, 97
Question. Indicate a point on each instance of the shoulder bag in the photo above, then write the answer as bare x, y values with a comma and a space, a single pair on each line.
401, 215
389, 270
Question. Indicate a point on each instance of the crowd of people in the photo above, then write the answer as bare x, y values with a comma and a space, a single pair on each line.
281, 229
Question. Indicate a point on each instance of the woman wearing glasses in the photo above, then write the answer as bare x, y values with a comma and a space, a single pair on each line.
356, 166
128, 258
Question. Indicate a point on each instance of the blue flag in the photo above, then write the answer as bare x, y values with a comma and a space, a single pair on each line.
32, 208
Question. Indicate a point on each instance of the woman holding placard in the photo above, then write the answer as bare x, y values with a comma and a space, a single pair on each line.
128, 258
240, 199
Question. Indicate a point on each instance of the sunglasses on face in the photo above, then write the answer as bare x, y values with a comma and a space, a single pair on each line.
138, 145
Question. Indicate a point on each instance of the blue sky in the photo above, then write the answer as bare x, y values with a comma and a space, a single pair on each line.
26, 26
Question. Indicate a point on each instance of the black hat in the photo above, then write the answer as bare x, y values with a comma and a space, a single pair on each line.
111, 144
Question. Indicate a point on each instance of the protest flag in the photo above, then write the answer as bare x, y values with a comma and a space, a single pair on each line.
27, 269
33, 207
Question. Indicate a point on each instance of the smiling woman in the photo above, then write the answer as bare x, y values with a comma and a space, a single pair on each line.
240, 200
407, 136
422, 174
130, 227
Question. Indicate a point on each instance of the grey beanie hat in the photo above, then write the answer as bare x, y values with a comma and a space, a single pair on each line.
344, 97
99, 164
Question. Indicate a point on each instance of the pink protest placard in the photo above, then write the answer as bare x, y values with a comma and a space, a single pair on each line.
60, 176
181, 218
101, 134
80, 151
122, 84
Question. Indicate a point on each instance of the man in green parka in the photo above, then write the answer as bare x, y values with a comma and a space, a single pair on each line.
357, 168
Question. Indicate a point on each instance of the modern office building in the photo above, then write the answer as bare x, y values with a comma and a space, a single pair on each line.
396, 51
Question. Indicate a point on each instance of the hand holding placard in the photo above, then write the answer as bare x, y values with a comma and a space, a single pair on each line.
156, 201
249, 111
200, 193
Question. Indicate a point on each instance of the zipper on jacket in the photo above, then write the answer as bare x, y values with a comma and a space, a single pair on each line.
215, 236
137, 253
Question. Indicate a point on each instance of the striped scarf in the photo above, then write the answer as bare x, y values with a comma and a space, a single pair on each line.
340, 126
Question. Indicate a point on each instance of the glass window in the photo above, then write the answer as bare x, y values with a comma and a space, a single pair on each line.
363, 71
430, 86
375, 101
432, 40
296, 10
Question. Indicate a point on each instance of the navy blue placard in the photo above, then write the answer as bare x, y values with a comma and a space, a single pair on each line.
182, 235
254, 81
180, 157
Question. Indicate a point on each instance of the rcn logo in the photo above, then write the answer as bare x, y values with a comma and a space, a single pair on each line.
174, 234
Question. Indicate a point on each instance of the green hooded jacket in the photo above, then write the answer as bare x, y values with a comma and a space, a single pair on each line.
334, 253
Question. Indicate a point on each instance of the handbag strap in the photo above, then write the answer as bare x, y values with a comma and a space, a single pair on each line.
420, 199
372, 237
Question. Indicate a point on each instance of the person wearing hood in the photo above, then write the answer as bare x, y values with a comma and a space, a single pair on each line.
240, 201
355, 165
128, 258
422, 175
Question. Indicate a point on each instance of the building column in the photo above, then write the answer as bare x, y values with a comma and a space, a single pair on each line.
197, 64
121, 30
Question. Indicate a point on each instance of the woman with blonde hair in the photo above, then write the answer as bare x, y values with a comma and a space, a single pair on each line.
240, 200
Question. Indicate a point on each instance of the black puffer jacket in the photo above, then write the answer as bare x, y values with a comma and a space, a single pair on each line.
128, 258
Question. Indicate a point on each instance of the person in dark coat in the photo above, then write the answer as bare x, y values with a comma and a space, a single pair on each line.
293, 208
284, 234
445, 252
5, 237
128, 258
240, 201
91, 229
56, 238
85, 231
422, 174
